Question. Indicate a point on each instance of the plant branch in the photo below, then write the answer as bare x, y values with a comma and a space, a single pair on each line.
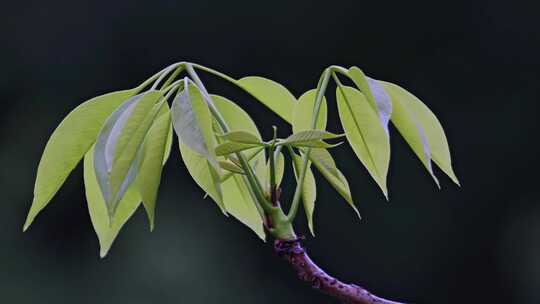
293, 252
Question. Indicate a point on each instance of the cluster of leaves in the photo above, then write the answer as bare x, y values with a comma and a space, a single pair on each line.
125, 138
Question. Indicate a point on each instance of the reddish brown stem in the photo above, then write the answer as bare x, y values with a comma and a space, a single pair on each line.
308, 271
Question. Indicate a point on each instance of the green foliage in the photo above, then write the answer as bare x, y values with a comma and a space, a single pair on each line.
126, 137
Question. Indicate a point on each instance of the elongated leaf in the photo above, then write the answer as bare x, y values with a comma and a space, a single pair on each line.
250, 155
310, 136
271, 94
203, 174
374, 93
315, 144
303, 113
193, 123
309, 190
324, 162
408, 126
240, 204
68, 145
229, 147
231, 167
168, 145
98, 210
242, 137
117, 154
438, 144
154, 155
367, 137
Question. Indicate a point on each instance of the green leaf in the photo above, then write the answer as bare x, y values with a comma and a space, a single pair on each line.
229, 147
241, 137
203, 174
374, 93
231, 167
408, 126
326, 165
279, 162
192, 122
253, 154
98, 210
240, 204
315, 144
117, 153
307, 136
270, 93
309, 190
367, 137
168, 145
303, 112
68, 144
154, 156
438, 145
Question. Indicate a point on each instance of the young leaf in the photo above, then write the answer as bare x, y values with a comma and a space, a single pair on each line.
203, 174
231, 167
303, 112
241, 136
308, 136
408, 126
98, 210
68, 145
118, 152
240, 204
309, 190
193, 122
326, 165
230, 147
315, 144
434, 132
154, 155
271, 94
367, 137
374, 93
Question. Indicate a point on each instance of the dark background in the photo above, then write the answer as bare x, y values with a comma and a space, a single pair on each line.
474, 63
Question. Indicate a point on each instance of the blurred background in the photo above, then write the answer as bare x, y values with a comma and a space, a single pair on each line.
475, 63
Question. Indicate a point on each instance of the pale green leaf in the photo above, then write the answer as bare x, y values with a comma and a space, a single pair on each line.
231, 167
154, 155
192, 122
326, 165
271, 94
374, 93
98, 210
203, 174
438, 144
229, 147
68, 145
117, 154
367, 137
241, 137
307, 136
239, 203
303, 112
309, 190
315, 144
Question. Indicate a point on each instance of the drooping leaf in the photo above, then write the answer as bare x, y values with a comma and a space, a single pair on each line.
240, 204
367, 137
408, 126
230, 147
118, 152
374, 93
68, 145
303, 113
98, 210
309, 136
438, 145
168, 144
231, 167
203, 174
326, 165
241, 136
271, 94
154, 155
192, 122
309, 190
